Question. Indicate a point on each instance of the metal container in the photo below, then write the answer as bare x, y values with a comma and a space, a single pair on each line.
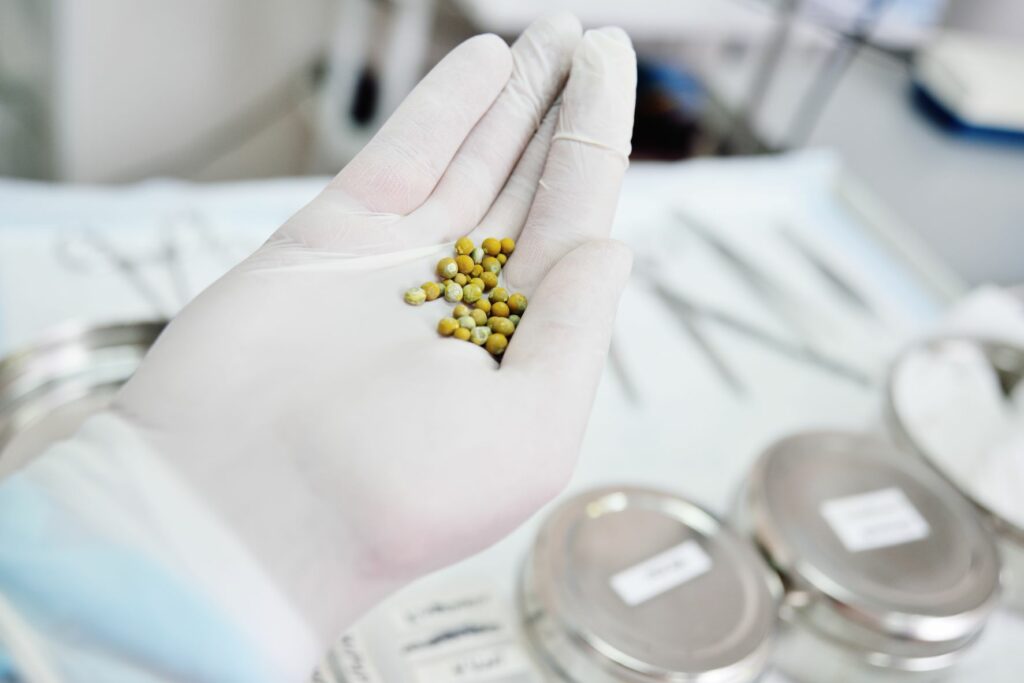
630, 584
1008, 363
889, 573
49, 389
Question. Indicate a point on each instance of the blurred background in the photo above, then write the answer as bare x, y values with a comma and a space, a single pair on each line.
113, 91
816, 185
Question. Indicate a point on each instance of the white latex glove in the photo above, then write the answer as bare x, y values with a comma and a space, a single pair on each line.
348, 446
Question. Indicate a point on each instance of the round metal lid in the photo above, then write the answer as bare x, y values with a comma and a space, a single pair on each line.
892, 548
655, 585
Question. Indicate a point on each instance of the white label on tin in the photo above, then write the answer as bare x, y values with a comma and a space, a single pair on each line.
661, 573
878, 519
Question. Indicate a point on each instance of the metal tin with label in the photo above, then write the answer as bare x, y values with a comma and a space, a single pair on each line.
889, 573
630, 584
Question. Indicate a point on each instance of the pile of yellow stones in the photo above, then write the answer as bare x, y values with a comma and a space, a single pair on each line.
485, 313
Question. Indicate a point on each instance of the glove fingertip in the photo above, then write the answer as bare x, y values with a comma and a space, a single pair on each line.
616, 34
488, 48
562, 22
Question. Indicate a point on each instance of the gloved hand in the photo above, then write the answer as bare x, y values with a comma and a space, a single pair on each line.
348, 446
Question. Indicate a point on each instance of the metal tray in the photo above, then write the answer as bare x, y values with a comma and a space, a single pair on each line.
48, 390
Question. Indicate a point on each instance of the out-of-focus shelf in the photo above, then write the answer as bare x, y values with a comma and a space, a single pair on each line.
960, 195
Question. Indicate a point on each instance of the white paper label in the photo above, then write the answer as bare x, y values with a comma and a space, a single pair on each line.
348, 662
663, 572
494, 663
875, 520
443, 611
466, 635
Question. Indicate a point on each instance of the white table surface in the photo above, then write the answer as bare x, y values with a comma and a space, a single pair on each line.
689, 433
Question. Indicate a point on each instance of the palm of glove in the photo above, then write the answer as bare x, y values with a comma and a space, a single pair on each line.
326, 420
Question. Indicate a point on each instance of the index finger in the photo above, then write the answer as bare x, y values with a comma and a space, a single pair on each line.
399, 167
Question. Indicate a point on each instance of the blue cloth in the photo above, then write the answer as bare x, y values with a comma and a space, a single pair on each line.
108, 612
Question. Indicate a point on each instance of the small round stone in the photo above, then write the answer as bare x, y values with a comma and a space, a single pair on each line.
491, 265
463, 245
453, 292
432, 290
467, 322
462, 334
501, 325
491, 246
478, 316
415, 296
447, 326
479, 335
447, 268
465, 263
497, 343
508, 245
517, 303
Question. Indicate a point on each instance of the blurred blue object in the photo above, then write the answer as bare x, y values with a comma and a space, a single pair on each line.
971, 84
934, 110
670, 103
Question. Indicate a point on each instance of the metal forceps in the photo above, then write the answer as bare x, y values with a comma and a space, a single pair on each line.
760, 284
689, 313
688, 318
828, 274
89, 248
129, 268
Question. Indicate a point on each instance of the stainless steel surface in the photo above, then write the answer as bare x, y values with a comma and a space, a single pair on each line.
1008, 362
808, 656
717, 626
46, 391
910, 606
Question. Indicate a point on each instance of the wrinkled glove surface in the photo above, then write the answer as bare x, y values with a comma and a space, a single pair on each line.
322, 421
